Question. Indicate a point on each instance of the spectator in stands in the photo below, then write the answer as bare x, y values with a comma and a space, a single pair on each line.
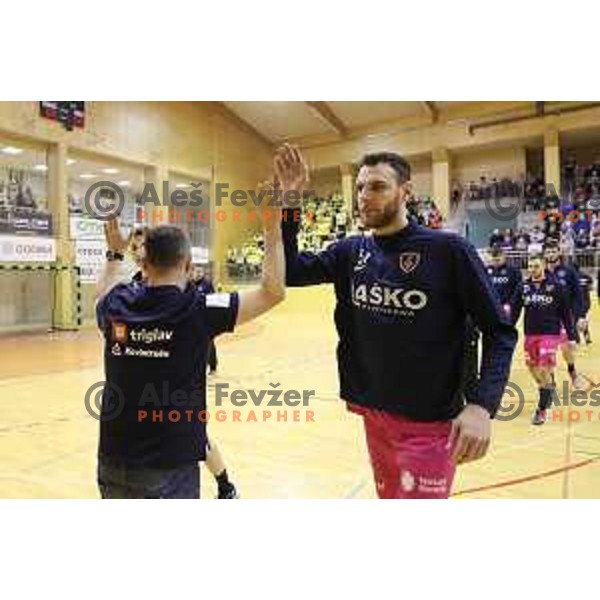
485, 191
341, 223
240, 261
569, 175
551, 201
595, 234
537, 240
582, 238
522, 240
507, 240
593, 171
495, 188
567, 239
455, 196
506, 188
534, 192
435, 218
583, 223
496, 238
472, 193
552, 227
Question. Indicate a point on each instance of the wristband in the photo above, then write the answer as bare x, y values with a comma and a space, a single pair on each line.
112, 255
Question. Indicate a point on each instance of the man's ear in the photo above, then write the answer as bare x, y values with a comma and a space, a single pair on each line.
405, 191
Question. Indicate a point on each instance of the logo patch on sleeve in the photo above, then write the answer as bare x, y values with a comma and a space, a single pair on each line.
119, 332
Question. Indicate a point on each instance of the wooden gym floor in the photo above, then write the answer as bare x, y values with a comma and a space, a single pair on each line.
48, 441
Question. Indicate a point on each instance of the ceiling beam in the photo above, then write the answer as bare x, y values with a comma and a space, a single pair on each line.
388, 126
553, 112
432, 110
226, 112
325, 112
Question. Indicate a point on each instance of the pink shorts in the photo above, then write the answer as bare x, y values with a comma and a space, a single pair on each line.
540, 350
409, 458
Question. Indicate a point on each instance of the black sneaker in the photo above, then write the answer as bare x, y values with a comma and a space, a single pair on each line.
539, 417
228, 493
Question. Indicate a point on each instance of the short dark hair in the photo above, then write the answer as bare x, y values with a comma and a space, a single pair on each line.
397, 162
166, 246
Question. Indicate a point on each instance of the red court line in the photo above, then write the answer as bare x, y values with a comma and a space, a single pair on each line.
528, 478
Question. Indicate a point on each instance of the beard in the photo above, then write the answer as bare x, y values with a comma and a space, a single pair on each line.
375, 219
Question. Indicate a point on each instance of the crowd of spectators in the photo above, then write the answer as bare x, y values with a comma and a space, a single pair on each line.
581, 183
574, 223
325, 220
245, 261
530, 190
424, 211
572, 235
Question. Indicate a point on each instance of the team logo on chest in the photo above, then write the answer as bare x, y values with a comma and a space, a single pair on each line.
408, 261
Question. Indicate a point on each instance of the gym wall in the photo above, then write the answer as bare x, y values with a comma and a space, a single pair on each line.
489, 163
182, 137
421, 174
326, 182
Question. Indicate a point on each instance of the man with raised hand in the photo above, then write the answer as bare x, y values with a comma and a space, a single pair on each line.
157, 331
403, 294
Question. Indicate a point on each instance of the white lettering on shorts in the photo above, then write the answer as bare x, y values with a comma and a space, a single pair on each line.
407, 481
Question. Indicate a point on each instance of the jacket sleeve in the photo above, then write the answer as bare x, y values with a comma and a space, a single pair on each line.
307, 268
499, 335
566, 315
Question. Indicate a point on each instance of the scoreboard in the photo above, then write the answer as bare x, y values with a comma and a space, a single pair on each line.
70, 114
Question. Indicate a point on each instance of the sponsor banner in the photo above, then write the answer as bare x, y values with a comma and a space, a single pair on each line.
15, 248
199, 255
90, 258
26, 221
84, 228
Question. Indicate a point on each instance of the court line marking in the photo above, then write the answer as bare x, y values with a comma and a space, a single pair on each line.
522, 443
510, 482
354, 491
526, 479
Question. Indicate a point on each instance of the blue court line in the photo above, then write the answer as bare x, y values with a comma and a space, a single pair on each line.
596, 454
355, 490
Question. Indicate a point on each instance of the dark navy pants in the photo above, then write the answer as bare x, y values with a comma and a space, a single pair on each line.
118, 481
